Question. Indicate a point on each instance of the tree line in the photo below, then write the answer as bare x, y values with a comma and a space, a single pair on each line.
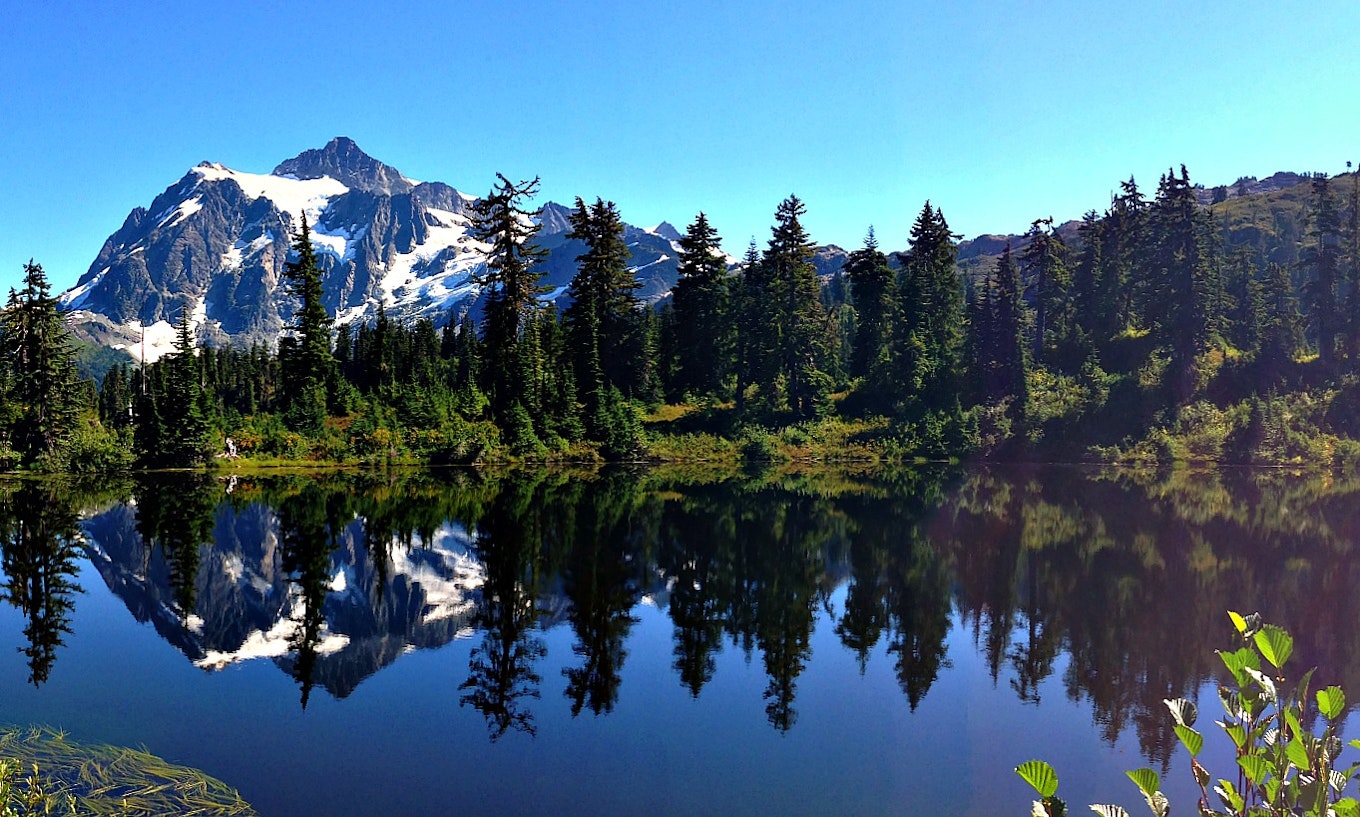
1149, 292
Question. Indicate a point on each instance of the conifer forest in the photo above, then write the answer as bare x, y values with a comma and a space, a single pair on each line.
1162, 329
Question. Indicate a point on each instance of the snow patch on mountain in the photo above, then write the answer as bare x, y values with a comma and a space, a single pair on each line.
292, 196
185, 209
415, 280
158, 340
75, 297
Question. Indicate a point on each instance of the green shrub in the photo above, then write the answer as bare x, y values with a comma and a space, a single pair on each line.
1283, 767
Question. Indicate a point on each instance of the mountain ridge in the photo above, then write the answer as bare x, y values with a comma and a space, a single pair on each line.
215, 243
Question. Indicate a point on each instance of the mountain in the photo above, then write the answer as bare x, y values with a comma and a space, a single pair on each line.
215, 243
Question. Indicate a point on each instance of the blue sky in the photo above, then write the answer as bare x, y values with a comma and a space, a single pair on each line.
998, 112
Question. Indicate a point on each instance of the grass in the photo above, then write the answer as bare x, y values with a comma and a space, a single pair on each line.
41, 772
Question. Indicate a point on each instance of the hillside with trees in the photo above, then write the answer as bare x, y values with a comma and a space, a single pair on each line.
1178, 324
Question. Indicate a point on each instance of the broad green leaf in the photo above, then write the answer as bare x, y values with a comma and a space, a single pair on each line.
1237, 732
1040, 775
1331, 702
1227, 792
1347, 807
1193, 740
1254, 767
1238, 660
1298, 754
1109, 811
1146, 779
1272, 787
1185, 712
1275, 644
1291, 718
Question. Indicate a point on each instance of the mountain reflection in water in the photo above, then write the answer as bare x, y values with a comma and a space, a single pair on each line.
335, 576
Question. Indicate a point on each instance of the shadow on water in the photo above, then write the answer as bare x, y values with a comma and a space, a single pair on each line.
1116, 579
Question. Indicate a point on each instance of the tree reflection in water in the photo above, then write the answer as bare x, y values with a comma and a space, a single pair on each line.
38, 538
1082, 575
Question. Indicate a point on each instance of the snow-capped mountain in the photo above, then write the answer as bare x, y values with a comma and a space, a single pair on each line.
216, 241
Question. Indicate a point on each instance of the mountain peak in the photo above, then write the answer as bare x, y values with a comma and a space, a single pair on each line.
343, 160
666, 230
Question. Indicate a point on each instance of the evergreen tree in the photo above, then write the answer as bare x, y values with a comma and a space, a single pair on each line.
603, 321
1086, 283
185, 412
873, 287
1282, 327
1006, 359
797, 309
171, 407
1044, 260
41, 385
501, 221
755, 330
115, 397
703, 326
1180, 272
929, 336
1244, 300
1322, 259
309, 369
1351, 258
1124, 240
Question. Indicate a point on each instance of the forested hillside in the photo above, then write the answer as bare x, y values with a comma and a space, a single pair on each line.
1161, 328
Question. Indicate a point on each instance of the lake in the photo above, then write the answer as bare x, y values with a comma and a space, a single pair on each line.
663, 641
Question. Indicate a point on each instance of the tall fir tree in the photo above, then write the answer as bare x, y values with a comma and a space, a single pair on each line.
1124, 244
603, 320
929, 336
1086, 283
41, 387
1007, 360
873, 288
703, 326
754, 356
1045, 263
309, 369
799, 317
1282, 324
1179, 277
1322, 260
502, 221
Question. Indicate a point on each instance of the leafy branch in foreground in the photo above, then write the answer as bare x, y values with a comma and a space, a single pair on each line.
1282, 768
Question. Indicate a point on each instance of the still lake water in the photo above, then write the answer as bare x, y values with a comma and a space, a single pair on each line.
662, 642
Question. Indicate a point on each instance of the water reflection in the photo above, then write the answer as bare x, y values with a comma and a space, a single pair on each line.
1118, 578
38, 532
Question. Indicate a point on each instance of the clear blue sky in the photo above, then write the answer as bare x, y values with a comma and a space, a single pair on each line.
999, 112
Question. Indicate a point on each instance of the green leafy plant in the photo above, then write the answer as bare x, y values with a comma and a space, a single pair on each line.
1282, 768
